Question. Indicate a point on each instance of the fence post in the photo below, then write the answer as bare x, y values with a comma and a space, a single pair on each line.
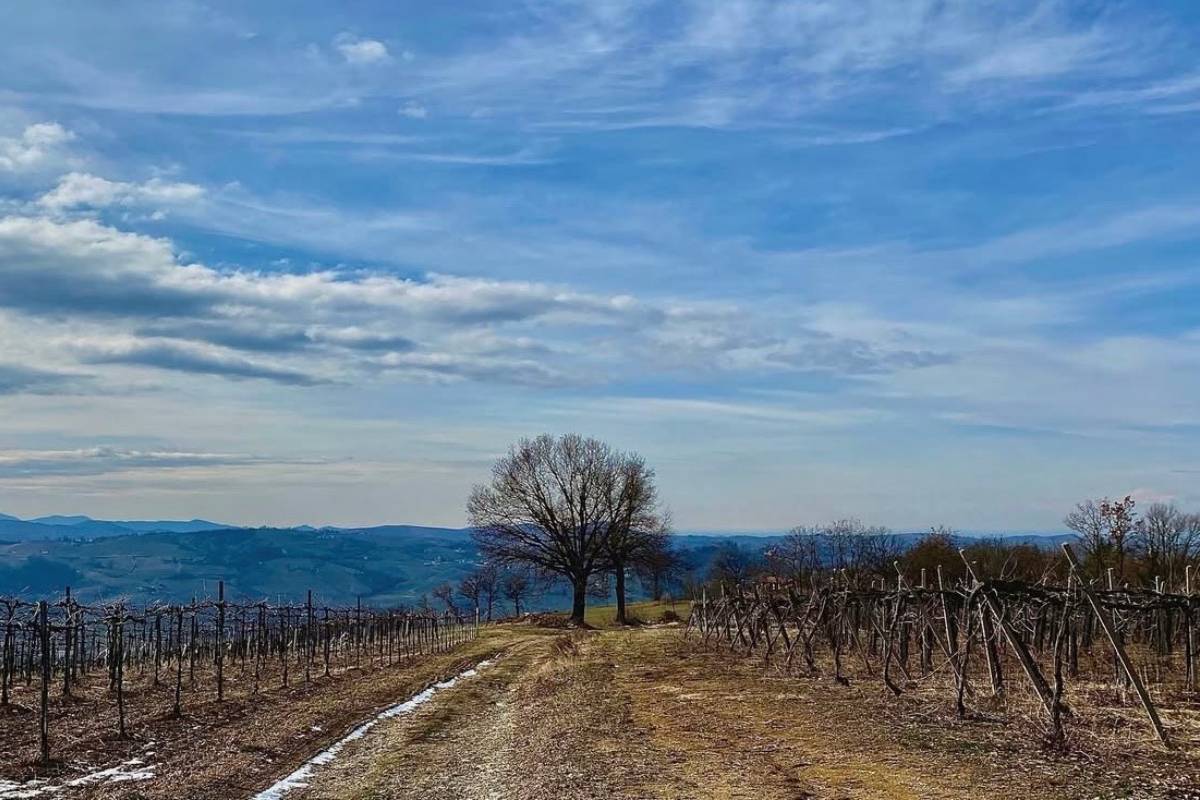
308, 638
68, 630
44, 708
178, 659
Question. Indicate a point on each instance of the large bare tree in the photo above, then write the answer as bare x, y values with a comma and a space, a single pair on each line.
554, 504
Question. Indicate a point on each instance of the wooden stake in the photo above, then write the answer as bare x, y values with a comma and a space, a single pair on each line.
1106, 625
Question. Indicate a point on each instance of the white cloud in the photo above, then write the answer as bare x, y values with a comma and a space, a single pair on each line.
36, 144
360, 51
414, 111
77, 189
129, 300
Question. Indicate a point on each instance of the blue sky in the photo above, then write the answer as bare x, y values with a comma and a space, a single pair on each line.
917, 262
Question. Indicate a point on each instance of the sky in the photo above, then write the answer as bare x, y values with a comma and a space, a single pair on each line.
919, 262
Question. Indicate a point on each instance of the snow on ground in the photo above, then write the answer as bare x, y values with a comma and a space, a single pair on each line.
301, 776
135, 769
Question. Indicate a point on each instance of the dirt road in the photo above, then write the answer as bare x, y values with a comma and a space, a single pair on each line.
640, 714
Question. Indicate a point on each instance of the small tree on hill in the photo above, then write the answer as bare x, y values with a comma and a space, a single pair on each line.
658, 567
1089, 525
636, 529
516, 587
481, 588
445, 593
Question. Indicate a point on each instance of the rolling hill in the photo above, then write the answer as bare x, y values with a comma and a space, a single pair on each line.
167, 560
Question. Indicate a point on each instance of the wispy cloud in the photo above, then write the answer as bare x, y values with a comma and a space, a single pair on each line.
23, 464
15, 379
188, 357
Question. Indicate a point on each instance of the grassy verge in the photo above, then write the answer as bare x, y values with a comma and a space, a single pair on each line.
649, 611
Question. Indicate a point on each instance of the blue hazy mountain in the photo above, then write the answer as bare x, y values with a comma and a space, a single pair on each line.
391, 564
57, 526
59, 519
171, 525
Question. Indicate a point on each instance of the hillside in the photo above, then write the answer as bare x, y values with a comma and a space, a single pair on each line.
388, 565
170, 560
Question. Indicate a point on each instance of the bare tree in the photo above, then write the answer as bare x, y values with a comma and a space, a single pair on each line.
635, 526
1089, 525
859, 549
1106, 532
445, 593
1121, 523
481, 587
658, 567
731, 564
1167, 540
469, 588
516, 587
488, 576
549, 506
797, 557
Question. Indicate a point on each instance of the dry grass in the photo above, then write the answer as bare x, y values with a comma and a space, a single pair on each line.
648, 612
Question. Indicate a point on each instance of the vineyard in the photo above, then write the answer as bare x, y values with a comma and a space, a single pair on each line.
68, 667
1084, 656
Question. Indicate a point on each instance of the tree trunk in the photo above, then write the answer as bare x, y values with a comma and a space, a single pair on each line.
621, 620
580, 602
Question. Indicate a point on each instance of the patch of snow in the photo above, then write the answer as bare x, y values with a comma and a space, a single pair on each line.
134, 769
300, 778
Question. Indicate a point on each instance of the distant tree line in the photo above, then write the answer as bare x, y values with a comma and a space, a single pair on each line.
1117, 543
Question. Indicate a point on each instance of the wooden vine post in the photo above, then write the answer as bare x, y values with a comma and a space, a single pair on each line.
1106, 624
220, 641
44, 705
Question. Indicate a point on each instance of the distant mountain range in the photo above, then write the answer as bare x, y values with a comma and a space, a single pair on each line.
170, 560
57, 526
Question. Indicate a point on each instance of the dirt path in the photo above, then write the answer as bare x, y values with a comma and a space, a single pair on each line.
540, 722
641, 714
633, 713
